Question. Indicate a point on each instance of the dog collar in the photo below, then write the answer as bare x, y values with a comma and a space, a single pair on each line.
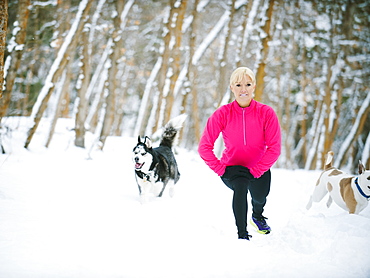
147, 177
142, 175
360, 190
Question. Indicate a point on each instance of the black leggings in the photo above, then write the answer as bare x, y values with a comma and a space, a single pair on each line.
258, 188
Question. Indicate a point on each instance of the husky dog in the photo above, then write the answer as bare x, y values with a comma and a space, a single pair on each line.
348, 192
157, 167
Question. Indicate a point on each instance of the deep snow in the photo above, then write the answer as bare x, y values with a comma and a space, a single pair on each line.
62, 215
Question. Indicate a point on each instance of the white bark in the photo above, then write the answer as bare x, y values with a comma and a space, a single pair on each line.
351, 136
366, 151
147, 90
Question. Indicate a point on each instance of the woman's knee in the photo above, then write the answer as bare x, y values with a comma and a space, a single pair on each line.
238, 184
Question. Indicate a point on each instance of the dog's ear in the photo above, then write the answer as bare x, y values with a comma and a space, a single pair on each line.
139, 139
148, 142
361, 167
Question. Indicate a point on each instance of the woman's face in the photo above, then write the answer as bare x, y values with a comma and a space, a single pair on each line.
243, 91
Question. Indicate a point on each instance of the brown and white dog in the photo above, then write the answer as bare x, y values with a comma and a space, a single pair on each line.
348, 192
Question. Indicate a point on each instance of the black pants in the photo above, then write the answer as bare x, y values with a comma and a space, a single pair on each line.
258, 188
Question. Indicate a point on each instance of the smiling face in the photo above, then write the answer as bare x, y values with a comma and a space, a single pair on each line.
243, 90
142, 158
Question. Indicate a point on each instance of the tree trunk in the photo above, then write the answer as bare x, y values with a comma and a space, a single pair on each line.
64, 20
365, 159
145, 104
176, 57
303, 116
82, 86
3, 31
326, 133
31, 68
14, 59
190, 87
314, 134
167, 30
242, 40
111, 85
58, 106
260, 75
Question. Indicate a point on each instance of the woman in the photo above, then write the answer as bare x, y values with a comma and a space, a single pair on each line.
251, 134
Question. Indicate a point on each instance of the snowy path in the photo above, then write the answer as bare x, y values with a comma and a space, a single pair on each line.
64, 216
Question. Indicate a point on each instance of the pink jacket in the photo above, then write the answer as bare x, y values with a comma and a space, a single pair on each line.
251, 136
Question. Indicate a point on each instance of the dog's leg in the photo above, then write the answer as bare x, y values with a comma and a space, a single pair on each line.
163, 188
165, 181
171, 188
319, 192
172, 191
145, 190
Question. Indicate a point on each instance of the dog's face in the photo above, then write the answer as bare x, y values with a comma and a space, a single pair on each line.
142, 155
364, 178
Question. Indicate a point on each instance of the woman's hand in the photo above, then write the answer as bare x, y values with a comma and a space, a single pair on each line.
237, 171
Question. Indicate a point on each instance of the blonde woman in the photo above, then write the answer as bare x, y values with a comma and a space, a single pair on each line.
251, 134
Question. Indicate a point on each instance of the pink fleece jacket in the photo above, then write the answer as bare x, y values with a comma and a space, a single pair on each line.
251, 136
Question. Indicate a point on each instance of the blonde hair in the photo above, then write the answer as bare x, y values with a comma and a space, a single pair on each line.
239, 73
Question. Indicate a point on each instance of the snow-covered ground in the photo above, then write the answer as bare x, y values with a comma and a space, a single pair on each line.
62, 215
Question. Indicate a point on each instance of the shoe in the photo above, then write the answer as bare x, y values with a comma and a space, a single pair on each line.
260, 224
246, 236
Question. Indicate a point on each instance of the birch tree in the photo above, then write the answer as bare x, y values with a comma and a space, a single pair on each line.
122, 10
82, 85
244, 31
16, 49
111, 85
3, 29
179, 15
266, 37
62, 96
190, 86
57, 68
165, 58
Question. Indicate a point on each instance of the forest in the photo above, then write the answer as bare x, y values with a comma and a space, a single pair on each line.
125, 67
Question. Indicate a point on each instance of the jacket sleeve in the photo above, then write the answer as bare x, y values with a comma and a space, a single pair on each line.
210, 134
273, 144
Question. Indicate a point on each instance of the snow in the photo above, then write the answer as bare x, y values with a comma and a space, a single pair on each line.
44, 4
309, 42
323, 22
63, 215
125, 12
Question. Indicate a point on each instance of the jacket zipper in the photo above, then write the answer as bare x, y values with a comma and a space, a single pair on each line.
244, 130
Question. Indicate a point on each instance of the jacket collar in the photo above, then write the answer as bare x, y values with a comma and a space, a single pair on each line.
236, 106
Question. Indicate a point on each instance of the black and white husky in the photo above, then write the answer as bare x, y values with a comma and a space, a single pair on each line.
157, 167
